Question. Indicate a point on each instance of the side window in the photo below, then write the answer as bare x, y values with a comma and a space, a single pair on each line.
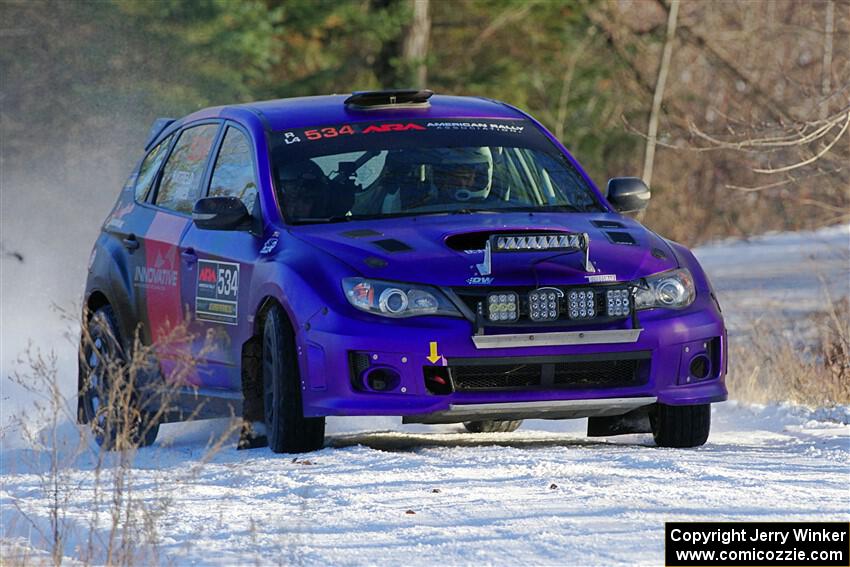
150, 165
233, 175
181, 176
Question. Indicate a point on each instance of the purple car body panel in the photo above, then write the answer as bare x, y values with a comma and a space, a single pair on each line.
301, 267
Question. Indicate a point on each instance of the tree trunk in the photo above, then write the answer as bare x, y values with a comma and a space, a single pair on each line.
666, 56
415, 49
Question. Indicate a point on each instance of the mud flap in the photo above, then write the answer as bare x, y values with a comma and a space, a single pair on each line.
636, 421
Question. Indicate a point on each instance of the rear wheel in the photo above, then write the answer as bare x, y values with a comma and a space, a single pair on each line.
492, 426
288, 431
680, 426
109, 401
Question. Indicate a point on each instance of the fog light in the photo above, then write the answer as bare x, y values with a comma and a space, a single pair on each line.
502, 306
381, 379
700, 366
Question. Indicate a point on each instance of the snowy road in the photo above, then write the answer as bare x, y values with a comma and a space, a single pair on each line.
543, 495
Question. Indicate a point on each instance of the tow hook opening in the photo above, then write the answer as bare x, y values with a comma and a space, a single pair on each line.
438, 380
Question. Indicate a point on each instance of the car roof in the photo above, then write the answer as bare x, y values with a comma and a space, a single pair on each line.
303, 112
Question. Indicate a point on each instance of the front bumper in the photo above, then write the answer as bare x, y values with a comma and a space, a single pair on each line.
668, 340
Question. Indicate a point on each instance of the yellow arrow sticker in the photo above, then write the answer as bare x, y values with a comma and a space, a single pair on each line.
434, 357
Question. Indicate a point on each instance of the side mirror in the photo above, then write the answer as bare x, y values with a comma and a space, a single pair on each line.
628, 194
221, 213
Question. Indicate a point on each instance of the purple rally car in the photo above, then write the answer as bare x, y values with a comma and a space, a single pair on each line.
394, 253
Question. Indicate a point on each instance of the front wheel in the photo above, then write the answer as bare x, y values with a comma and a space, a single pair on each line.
492, 426
108, 398
288, 431
680, 426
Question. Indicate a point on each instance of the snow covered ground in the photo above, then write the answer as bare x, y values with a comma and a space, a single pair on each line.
385, 493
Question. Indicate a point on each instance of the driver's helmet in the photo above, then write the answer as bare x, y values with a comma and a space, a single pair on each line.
303, 186
463, 173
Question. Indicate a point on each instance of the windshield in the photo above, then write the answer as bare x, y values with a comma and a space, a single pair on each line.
374, 170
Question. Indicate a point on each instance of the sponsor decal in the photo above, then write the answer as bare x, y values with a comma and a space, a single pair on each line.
479, 280
291, 138
601, 278
350, 129
392, 128
217, 294
270, 244
161, 274
478, 126
116, 218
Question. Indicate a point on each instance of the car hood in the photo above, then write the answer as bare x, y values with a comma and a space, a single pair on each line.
445, 250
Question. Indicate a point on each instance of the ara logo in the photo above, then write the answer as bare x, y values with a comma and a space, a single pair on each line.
207, 275
479, 280
392, 127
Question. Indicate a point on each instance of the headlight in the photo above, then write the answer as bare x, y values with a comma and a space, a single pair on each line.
392, 299
674, 290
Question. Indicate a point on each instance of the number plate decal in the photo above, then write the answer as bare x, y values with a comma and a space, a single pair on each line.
218, 292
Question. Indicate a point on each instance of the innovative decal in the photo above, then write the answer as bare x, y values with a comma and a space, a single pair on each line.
218, 292
161, 274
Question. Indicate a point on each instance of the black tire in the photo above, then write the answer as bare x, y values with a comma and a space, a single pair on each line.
680, 426
287, 429
102, 360
492, 426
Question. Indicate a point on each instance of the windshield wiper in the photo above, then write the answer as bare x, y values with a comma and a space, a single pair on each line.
535, 209
337, 218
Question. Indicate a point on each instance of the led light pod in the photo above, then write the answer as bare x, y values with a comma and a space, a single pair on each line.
617, 302
581, 304
503, 307
544, 304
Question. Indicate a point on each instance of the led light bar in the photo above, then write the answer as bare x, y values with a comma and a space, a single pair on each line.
543, 241
581, 304
544, 304
618, 302
503, 307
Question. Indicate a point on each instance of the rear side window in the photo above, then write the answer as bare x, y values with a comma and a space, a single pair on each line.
233, 175
150, 165
181, 176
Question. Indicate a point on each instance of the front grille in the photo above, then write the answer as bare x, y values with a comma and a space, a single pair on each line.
569, 372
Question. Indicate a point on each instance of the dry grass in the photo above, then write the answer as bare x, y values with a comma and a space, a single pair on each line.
122, 527
806, 362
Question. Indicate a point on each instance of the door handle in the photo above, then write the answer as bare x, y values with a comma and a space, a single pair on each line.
189, 256
131, 242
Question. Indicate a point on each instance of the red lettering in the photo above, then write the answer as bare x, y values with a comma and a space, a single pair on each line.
394, 127
207, 275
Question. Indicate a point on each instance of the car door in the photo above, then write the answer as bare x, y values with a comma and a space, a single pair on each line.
127, 225
216, 281
159, 279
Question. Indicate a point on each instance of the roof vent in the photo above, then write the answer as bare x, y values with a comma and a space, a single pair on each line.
394, 98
